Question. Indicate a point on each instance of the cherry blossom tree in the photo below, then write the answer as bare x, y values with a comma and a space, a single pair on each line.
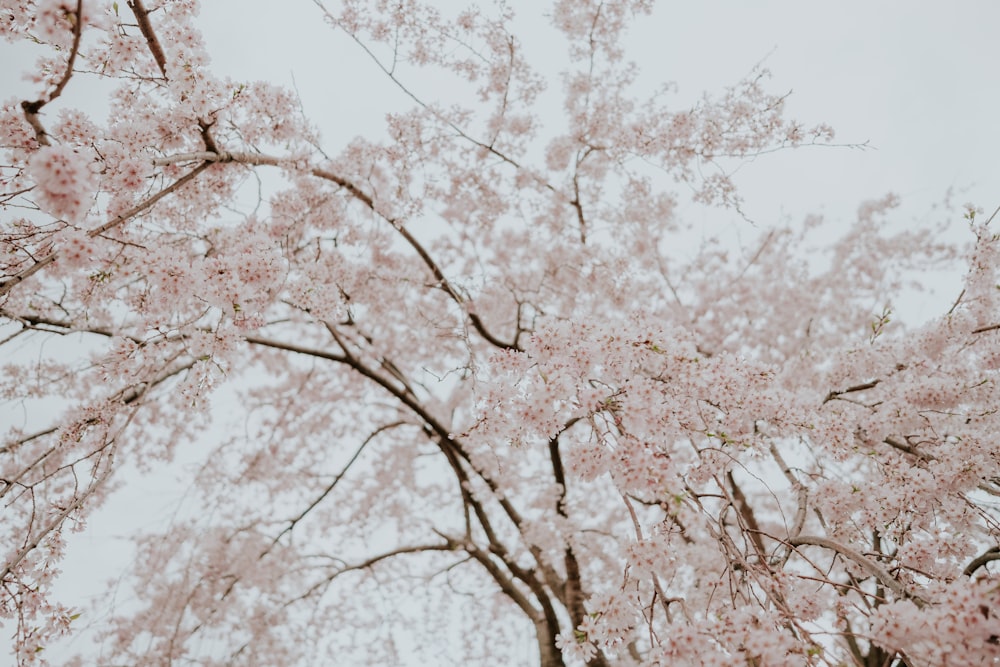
489, 390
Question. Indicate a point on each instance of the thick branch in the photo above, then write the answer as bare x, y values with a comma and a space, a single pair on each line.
896, 443
452, 448
505, 583
293, 522
991, 554
573, 593
752, 528
146, 28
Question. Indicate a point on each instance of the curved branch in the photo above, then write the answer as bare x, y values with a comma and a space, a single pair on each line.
505, 583
31, 109
371, 562
865, 563
453, 450
257, 159
990, 554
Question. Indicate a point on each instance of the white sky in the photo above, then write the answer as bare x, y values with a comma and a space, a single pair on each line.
918, 80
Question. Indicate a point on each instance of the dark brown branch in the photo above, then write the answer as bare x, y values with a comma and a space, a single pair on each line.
455, 455
578, 207
452, 448
989, 555
547, 624
896, 443
992, 327
747, 517
146, 28
58, 327
31, 109
77, 32
298, 349
573, 591
397, 552
443, 281
450, 546
505, 583
858, 387
150, 201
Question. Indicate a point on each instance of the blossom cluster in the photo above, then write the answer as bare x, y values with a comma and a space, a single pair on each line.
64, 181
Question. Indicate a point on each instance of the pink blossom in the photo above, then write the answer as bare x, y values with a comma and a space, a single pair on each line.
63, 180
480, 386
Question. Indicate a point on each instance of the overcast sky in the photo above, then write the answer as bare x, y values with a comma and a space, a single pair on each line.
917, 80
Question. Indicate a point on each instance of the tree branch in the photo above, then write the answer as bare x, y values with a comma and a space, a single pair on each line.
31, 109
991, 554
293, 522
858, 387
865, 563
257, 159
9, 284
146, 28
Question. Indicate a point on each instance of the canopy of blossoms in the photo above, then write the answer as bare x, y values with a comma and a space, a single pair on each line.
489, 389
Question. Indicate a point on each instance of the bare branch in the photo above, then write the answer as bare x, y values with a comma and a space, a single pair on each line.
991, 554
293, 522
850, 390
